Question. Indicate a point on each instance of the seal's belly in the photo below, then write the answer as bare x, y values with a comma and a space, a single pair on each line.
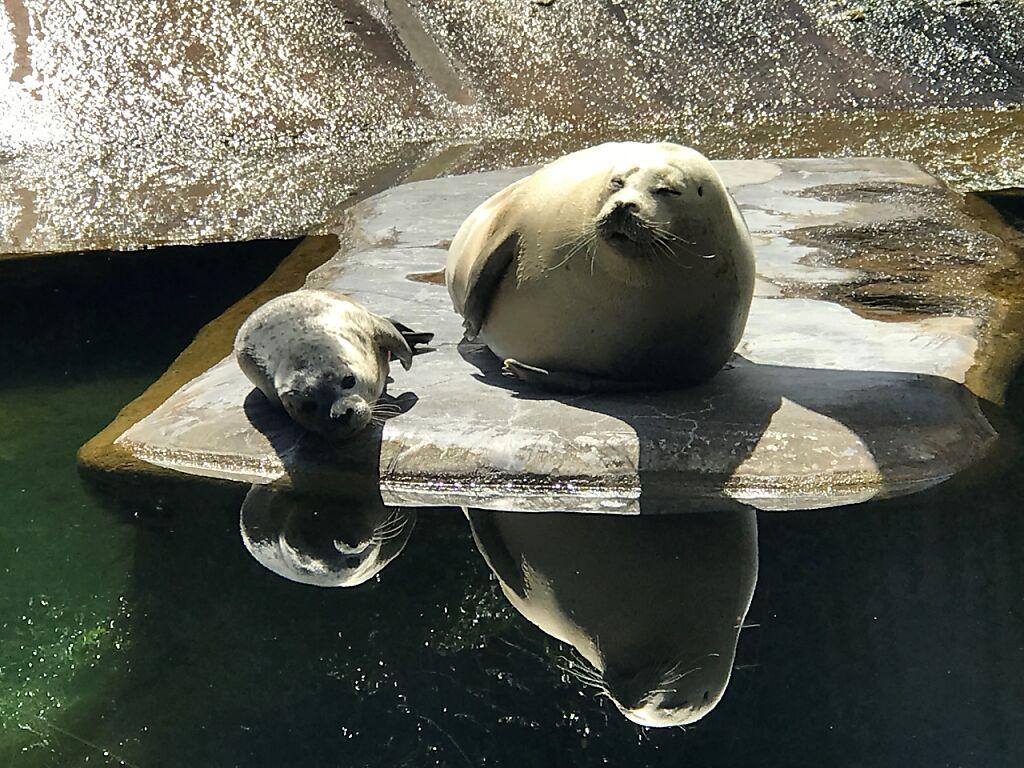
574, 321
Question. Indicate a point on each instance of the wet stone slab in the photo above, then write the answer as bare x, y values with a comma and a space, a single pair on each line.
858, 377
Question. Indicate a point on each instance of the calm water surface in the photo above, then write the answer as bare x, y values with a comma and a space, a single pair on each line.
140, 626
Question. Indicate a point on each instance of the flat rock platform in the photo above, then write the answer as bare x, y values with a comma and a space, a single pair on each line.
874, 331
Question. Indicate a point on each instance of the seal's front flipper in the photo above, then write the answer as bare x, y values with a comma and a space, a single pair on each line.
565, 381
487, 274
388, 338
412, 338
483, 251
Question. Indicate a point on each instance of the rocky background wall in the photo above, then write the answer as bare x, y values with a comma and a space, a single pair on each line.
124, 124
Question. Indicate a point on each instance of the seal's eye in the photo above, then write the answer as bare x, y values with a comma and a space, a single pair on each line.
348, 382
667, 191
617, 182
700, 191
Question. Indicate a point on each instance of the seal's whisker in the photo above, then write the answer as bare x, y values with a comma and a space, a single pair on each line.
391, 529
658, 243
577, 244
668, 677
581, 670
383, 539
586, 673
390, 533
574, 671
581, 235
382, 531
660, 246
391, 518
392, 523
657, 232
670, 235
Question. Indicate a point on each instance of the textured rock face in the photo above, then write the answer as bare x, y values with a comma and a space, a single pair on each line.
130, 124
873, 309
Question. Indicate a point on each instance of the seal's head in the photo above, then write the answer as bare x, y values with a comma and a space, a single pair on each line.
656, 200
619, 208
674, 692
320, 540
336, 401
332, 383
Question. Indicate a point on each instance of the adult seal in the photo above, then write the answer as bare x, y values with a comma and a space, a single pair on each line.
622, 266
324, 359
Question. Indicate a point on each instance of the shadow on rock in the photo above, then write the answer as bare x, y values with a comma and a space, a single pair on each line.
302, 451
781, 437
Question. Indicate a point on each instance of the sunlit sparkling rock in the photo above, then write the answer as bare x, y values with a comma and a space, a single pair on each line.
126, 124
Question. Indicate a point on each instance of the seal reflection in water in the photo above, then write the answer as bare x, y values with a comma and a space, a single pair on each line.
622, 266
321, 540
653, 604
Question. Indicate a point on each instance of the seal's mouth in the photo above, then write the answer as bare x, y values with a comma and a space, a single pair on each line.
628, 235
622, 227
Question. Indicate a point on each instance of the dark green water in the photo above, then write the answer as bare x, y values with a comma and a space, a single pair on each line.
80, 336
136, 629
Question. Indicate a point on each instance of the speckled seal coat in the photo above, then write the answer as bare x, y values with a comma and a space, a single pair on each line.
322, 357
625, 261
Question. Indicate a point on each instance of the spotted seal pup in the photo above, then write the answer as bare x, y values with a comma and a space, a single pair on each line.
324, 358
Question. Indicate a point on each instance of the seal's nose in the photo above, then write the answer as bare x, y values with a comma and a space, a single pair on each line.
351, 548
624, 207
339, 416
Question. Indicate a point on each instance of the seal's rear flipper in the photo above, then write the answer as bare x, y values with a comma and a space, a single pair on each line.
396, 405
566, 381
412, 338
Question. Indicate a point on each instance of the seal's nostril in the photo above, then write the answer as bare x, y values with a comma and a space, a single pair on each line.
343, 418
623, 205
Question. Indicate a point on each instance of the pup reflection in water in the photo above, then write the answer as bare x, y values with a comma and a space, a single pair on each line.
321, 540
654, 604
